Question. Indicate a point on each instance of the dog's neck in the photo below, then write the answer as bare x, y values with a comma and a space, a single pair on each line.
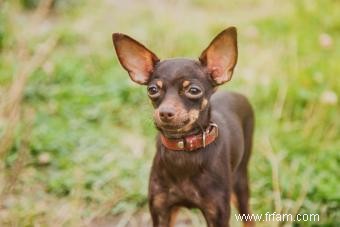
199, 126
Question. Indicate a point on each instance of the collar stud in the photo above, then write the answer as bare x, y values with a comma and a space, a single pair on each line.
180, 144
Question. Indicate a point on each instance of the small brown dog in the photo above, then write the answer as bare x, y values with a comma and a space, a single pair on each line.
204, 140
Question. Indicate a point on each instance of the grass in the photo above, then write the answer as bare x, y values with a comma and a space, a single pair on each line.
85, 130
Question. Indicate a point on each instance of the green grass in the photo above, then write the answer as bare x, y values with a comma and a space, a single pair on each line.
95, 125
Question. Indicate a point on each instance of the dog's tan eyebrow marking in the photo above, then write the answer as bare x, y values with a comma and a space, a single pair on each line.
204, 104
159, 83
186, 83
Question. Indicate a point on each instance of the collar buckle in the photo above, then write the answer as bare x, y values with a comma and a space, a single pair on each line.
204, 138
216, 126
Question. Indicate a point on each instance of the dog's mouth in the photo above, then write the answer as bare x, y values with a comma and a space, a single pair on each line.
175, 127
177, 130
182, 124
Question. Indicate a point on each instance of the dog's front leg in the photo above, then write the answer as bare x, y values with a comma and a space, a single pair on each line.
164, 219
160, 218
216, 213
160, 210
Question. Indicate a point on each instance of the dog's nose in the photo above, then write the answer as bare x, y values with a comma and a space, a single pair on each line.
166, 114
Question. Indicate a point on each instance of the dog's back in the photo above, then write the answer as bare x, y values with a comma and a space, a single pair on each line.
235, 117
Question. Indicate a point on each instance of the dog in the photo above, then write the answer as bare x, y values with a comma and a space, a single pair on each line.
205, 138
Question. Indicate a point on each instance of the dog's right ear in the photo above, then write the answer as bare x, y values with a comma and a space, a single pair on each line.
134, 57
220, 56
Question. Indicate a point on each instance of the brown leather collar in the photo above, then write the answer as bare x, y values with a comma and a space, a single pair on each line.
192, 142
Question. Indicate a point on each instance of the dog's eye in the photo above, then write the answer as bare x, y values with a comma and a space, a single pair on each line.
153, 91
193, 92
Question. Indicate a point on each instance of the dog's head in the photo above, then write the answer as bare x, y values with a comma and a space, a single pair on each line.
179, 88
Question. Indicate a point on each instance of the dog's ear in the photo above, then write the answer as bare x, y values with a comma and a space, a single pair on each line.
220, 56
134, 57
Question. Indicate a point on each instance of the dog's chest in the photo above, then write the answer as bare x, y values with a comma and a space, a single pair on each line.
182, 164
185, 191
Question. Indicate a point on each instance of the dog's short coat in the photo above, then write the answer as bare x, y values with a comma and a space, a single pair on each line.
182, 93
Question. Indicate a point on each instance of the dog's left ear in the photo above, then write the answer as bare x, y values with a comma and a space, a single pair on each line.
220, 56
134, 57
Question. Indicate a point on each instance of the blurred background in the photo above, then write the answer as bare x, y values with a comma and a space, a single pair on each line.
76, 136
